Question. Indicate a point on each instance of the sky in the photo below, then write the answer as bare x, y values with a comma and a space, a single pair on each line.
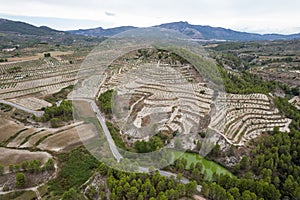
258, 16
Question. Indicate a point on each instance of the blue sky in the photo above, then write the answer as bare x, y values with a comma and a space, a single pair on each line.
268, 16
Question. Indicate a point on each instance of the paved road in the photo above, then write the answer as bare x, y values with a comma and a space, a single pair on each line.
168, 175
36, 113
114, 149
101, 119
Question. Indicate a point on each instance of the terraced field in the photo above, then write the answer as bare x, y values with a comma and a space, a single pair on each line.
8, 129
38, 77
55, 140
165, 96
170, 96
245, 117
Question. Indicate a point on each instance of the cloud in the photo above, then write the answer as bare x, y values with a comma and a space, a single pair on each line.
110, 14
252, 15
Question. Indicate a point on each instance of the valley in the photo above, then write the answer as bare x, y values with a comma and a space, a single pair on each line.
149, 121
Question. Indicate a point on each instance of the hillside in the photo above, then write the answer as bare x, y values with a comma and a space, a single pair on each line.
16, 28
218, 33
100, 32
21, 34
26, 29
194, 31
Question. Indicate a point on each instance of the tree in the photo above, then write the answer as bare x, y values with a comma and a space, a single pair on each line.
70, 195
17, 167
234, 192
24, 165
247, 195
202, 134
161, 186
21, 180
196, 175
49, 165
152, 192
216, 150
132, 193
191, 188
34, 166
11, 168
181, 187
140, 197
47, 55
162, 196
55, 122
244, 164
1, 170
102, 168
179, 177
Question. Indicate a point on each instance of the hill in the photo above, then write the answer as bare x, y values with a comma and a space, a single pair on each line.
194, 31
21, 34
26, 29
15, 30
100, 32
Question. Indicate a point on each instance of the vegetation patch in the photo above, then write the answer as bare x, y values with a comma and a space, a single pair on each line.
59, 96
5, 107
58, 114
76, 168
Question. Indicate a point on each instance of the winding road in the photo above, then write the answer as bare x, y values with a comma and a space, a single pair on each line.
110, 140
101, 120
114, 148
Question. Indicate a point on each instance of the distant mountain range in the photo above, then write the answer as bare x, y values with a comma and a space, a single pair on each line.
194, 31
26, 29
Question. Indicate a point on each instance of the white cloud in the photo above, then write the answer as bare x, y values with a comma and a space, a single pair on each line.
251, 15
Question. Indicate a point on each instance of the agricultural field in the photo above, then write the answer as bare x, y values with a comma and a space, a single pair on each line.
31, 103
9, 128
169, 96
66, 140
273, 60
245, 117
149, 99
13, 156
39, 77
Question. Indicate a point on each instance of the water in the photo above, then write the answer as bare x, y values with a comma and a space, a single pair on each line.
208, 167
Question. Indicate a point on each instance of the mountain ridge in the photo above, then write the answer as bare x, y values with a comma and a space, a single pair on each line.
203, 32
26, 28
200, 32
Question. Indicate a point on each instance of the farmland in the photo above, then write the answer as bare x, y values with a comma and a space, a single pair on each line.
39, 77
170, 96
11, 156
149, 98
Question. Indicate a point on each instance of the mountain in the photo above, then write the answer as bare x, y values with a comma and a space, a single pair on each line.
26, 29
194, 31
15, 33
100, 32
218, 33
19, 31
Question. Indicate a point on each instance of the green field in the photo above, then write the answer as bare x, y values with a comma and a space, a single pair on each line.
209, 167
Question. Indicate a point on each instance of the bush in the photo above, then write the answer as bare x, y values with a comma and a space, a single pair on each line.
1, 170
47, 55
55, 122
21, 180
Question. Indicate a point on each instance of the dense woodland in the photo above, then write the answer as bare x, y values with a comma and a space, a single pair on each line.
247, 83
273, 167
